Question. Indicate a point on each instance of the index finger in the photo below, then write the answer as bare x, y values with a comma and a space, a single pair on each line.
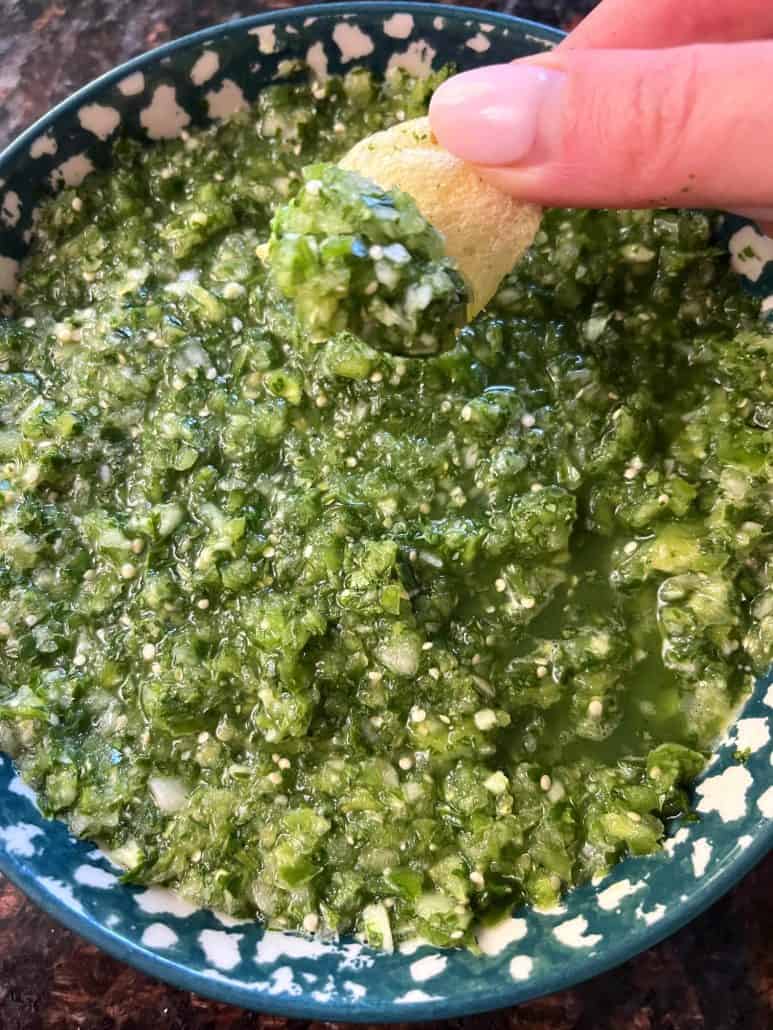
631, 24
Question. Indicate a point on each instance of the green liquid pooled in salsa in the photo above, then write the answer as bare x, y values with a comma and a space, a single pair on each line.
358, 641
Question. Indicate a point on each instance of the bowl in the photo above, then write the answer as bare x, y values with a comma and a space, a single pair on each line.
207, 75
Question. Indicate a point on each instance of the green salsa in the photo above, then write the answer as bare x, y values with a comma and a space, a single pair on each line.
348, 639
353, 256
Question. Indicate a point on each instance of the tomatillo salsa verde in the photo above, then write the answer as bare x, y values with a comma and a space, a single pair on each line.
349, 639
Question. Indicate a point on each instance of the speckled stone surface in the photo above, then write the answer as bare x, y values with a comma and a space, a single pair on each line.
716, 974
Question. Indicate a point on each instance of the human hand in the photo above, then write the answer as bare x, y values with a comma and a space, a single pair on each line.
655, 104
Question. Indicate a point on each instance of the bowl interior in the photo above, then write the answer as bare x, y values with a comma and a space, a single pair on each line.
207, 76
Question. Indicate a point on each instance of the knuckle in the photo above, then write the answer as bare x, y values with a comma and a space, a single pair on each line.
664, 106
639, 126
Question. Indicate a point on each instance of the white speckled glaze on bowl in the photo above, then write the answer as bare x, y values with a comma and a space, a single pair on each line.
208, 76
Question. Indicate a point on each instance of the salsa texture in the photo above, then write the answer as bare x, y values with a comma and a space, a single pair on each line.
353, 256
351, 640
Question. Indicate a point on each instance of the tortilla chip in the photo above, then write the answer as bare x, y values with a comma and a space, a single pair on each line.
485, 230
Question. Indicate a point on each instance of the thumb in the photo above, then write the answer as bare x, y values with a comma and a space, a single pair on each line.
686, 126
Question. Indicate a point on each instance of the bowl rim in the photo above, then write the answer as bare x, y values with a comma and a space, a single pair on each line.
285, 14
181, 976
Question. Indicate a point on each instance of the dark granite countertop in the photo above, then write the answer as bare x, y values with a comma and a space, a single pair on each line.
716, 974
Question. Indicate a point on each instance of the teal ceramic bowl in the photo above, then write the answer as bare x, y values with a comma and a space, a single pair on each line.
206, 76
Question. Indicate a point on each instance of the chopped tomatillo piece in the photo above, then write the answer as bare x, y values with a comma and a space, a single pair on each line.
351, 255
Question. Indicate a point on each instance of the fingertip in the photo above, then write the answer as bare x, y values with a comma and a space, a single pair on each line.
491, 115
